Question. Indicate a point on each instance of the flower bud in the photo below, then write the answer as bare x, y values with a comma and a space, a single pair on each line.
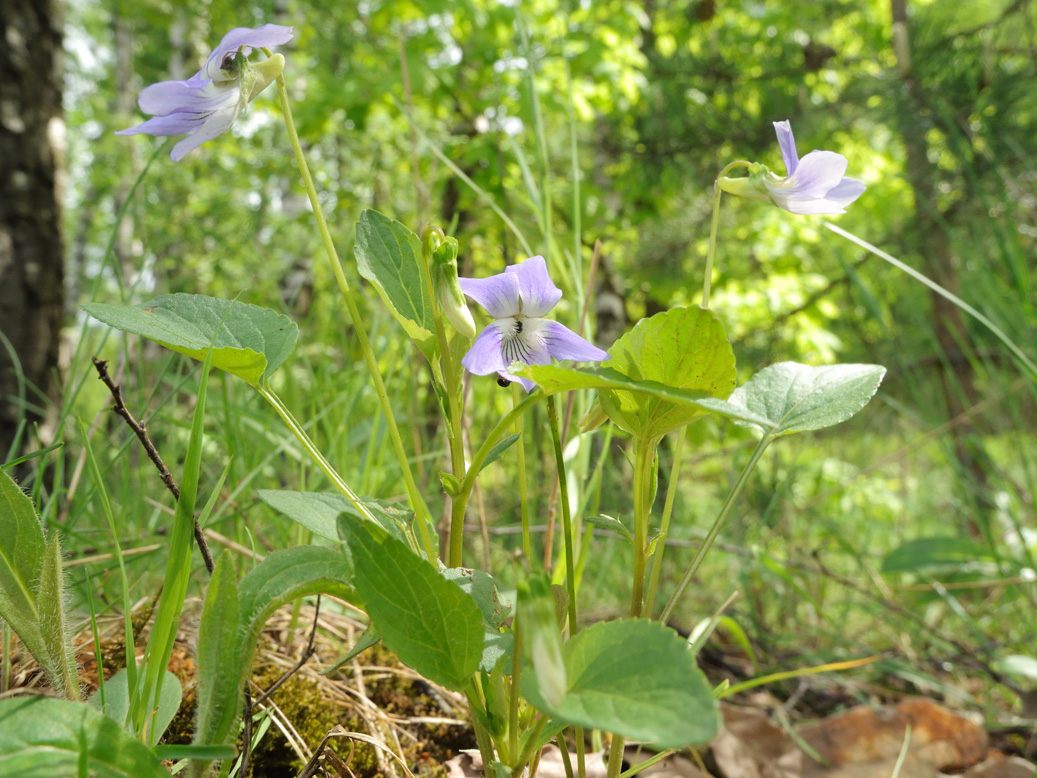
441, 255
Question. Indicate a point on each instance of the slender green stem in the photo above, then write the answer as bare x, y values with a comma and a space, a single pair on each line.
455, 426
644, 460
331, 473
465, 490
567, 529
516, 694
527, 545
566, 761
482, 737
530, 746
660, 545
711, 252
5, 658
715, 529
417, 501
654, 759
616, 756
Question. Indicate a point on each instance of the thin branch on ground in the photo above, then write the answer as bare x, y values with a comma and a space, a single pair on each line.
310, 650
142, 434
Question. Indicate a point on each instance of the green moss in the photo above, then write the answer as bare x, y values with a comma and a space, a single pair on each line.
313, 715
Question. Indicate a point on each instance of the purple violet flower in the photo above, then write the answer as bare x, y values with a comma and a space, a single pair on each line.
814, 184
516, 299
206, 105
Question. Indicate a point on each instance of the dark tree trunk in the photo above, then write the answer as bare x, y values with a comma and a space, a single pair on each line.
31, 250
932, 242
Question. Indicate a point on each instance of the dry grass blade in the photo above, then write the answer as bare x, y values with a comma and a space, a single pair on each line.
311, 768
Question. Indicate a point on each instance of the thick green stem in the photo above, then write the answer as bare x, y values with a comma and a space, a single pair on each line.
715, 529
644, 459
711, 252
424, 518
660, 545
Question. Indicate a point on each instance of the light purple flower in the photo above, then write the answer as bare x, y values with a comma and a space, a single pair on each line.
206, 105
814, 184
516, 299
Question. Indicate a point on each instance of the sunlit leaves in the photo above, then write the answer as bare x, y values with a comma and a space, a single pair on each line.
800, 398
248, 341
684, 348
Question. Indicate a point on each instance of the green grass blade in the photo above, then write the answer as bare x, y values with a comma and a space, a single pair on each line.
1030, 367
178, 570
106, 507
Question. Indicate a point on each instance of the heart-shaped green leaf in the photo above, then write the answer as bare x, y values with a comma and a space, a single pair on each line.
683, 348
41, 736
389, 256
429, 622
634, 678
799, 398
248, 341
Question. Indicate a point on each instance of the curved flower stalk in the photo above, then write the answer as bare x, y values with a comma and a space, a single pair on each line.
206, 105
814, 184
517, 299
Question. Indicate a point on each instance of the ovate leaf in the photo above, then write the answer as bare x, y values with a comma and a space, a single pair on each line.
319, 512
41, 737
799, 398
389, 256
634, 678
248, 341
429, 622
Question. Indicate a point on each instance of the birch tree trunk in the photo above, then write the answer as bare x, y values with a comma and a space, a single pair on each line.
31, 249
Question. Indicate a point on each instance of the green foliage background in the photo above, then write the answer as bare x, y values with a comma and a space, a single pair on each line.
608, 121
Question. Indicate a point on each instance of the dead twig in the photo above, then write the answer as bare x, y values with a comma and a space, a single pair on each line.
310, 650
142, 434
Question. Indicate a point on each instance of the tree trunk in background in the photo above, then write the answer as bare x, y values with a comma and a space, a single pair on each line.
31, 250
932, 243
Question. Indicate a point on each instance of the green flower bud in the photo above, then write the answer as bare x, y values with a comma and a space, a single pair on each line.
441, 255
